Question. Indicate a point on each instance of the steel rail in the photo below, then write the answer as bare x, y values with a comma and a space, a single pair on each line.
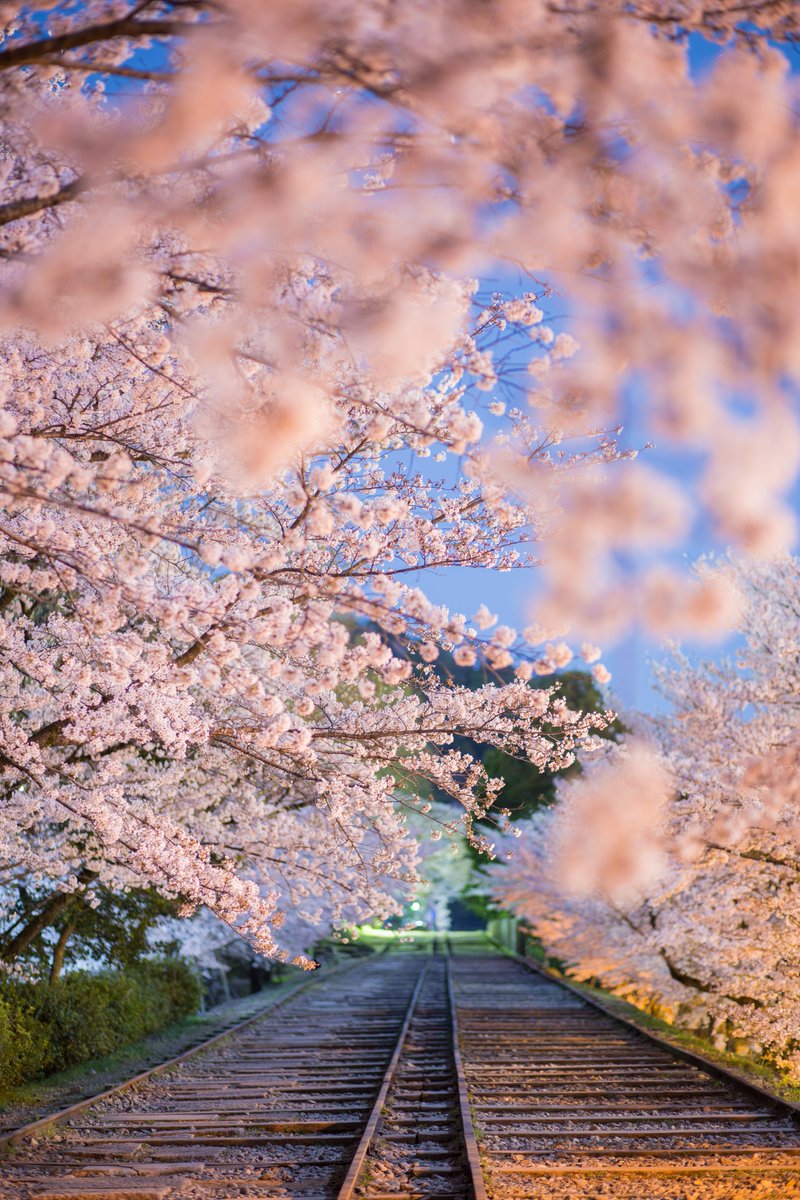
353, 1175
471, 1152
693, 1057
14, 1136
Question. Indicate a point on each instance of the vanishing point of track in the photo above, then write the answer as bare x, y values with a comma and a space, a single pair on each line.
409, 1076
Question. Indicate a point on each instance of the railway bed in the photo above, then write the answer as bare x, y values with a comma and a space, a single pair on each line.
572, 1104
413, 1076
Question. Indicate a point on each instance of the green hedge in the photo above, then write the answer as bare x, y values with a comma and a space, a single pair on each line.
46, 1028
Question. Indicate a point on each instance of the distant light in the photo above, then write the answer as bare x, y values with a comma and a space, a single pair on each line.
415, 906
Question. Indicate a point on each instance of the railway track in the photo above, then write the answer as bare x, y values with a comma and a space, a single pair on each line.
570, 1102
10, 1136
413, 1076
351, 1093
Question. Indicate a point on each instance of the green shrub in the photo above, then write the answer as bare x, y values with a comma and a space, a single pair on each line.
24, 1039
48, 1027
176, 982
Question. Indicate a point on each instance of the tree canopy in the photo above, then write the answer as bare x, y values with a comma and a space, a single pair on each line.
286, 321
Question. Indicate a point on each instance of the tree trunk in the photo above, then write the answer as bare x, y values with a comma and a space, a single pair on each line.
58, 903
61, 947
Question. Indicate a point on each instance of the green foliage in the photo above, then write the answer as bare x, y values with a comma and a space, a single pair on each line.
112, 930
479, 903
24, 1039
46, 1028
526, 788
176, 979
116, 931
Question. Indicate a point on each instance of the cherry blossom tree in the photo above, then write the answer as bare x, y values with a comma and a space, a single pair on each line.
711, 944
194, 698
445, 865
670, 870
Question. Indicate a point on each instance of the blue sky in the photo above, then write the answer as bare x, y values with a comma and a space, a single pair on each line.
513, 595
